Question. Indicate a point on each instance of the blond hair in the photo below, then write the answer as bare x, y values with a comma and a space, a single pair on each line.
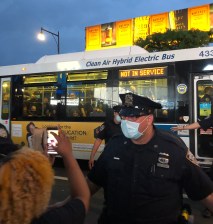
26, 179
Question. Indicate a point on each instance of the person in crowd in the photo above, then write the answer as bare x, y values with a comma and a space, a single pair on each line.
75, 113
6, 143
30, 130
144, 171
86, 105
86, 108
47, 107
26, 179
108, 129
208, 94
36, 137
25, 110
33, 111
204, 124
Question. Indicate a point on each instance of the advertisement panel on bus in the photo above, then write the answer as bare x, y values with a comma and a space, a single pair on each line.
81, 135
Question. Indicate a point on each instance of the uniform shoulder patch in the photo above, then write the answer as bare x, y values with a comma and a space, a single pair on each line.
102, 127
191, 158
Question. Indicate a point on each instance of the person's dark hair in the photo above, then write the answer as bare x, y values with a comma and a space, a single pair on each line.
6, 143
28, 126
3, 127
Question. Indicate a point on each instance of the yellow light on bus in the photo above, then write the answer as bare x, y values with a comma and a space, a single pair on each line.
5, 85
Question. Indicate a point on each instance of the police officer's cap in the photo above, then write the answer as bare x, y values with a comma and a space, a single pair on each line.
117, 108
135, 105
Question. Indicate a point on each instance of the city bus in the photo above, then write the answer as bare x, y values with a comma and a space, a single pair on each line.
78, 90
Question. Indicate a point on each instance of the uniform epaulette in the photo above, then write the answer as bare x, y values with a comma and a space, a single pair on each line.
171, 137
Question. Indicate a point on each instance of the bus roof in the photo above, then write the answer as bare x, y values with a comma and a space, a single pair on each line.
104, 59
84, 55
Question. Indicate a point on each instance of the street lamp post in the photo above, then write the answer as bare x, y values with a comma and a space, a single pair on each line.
41, 37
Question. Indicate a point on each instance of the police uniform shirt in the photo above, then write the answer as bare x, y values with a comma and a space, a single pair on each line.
108, 129
143, 183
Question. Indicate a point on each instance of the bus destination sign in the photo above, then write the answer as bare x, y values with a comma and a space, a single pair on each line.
136, 73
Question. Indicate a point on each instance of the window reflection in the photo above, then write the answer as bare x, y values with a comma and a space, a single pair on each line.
155, 89
87, 100
46, 96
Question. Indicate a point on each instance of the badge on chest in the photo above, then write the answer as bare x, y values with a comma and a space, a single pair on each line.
163, 160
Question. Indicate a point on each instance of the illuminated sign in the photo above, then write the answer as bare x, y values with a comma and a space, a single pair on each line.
40, 79
136, 73
199, 18
126, 32
108, 35
141, 27
159, 23
93, 37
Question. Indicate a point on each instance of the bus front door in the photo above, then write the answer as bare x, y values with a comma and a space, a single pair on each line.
5, 97
203, 93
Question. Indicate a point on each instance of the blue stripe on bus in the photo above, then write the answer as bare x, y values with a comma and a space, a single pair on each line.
168, 127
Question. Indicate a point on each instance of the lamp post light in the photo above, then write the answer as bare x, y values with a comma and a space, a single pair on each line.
56, 36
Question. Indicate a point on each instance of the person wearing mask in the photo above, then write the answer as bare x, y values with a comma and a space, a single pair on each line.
108, 129
204, 124
26, 179
144, 171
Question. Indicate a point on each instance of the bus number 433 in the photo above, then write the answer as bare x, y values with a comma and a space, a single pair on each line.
206, 53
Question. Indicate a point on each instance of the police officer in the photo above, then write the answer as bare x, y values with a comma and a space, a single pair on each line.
144, 171
108, 129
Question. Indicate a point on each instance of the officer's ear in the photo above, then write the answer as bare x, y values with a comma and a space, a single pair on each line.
150, 119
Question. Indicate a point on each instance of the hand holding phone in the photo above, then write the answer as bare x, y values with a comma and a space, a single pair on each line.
51, 141
63, 144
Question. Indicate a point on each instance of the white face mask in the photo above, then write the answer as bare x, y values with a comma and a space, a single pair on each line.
130, 129
118, 118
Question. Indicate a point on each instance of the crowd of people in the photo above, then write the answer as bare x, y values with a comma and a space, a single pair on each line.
43, 107
143, 171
